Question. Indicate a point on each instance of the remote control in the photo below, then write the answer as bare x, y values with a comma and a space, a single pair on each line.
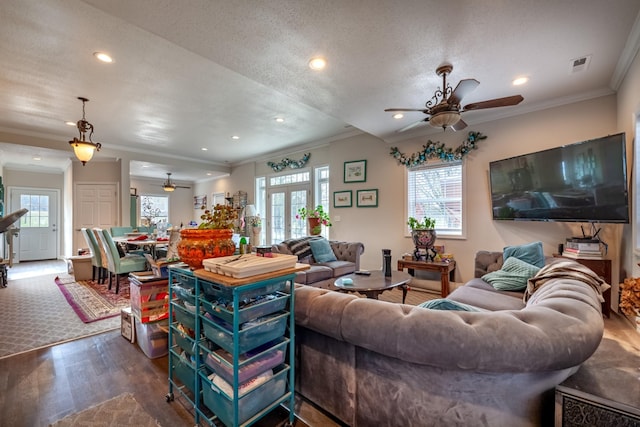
363, 273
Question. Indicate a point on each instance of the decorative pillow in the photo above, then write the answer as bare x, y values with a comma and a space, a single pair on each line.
447, 304
531, 253
300, 247
321, 249
513, 276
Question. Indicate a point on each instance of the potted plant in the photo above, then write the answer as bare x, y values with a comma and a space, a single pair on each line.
316, 217
211, 239
423, 232
256, 228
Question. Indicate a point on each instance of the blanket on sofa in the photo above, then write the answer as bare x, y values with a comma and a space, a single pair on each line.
565, 270
301, 247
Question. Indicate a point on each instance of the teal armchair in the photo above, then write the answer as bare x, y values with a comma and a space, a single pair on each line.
119, 265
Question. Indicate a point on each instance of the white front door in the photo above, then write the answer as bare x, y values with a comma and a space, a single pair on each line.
283, 203
38, 237
95, 205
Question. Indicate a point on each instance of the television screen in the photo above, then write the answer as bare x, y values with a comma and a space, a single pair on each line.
581, 182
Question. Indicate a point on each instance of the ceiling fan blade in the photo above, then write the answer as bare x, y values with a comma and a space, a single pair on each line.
390, 110
459, 126
464, 88
492, 103
412, 125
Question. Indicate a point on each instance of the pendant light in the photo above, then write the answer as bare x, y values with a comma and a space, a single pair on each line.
82, 148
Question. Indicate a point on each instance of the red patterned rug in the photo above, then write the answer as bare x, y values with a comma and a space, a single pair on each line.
93, 301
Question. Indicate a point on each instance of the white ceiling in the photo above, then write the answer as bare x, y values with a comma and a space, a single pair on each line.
190, 74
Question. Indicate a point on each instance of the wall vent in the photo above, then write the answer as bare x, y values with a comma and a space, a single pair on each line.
580, 64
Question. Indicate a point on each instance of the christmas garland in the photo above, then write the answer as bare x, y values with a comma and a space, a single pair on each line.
293, 164
437, 150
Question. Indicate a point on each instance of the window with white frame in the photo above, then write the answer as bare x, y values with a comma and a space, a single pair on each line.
322, 187
153, 209
435, 191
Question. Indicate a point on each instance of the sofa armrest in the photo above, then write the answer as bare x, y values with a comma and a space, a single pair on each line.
348, 251
486, 262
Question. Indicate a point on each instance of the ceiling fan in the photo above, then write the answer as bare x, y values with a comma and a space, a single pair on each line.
444, 109
170, 185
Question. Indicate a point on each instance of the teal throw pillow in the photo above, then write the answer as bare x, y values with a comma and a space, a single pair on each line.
447, 304
531, 253
321, 249
513, 276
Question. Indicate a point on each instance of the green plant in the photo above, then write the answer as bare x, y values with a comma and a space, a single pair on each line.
222, 217
318, 213
425, 224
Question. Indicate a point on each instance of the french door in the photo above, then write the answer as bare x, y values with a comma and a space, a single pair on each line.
38, 237
283, 203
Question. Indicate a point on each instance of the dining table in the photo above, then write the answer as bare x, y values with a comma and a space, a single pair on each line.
147, 243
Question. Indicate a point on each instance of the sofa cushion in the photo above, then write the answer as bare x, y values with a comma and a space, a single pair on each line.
322, 251
316, 273
447, 304
481, 284
340, 268
530, 253
300, 247
489, 300
512, 276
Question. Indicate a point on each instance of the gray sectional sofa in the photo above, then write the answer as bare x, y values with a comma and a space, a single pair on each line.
374, 363
324, 274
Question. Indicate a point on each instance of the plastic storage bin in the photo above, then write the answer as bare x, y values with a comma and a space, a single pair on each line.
185, 371
183, 279
250, 365
153, 338
215, 291
250, 337
184, 316
249, 404
260, 307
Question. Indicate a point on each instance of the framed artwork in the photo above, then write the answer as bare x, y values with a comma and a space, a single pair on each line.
355, 171
367, 198
342, 199
200, 202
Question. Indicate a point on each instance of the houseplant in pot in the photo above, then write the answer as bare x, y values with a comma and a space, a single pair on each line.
423, 232
316, 218
211, 239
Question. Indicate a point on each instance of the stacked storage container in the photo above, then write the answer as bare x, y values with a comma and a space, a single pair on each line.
150, 309
238, 359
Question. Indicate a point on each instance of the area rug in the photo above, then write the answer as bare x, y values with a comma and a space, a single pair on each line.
34, 314
91, 300
120, 411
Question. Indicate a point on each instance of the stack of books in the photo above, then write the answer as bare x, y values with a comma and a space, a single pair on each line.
582, 248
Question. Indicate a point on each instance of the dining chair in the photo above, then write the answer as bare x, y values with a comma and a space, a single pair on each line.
120, 231
96, 257
116, 264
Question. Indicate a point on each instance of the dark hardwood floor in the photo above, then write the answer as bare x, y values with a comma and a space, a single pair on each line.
45, 385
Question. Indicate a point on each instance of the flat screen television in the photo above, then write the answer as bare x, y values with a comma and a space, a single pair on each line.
581, 182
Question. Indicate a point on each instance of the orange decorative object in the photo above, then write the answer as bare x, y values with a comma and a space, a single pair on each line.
198, 244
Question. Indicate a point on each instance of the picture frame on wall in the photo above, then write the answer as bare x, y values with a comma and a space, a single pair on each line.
355, 171
200, 202
367, 198
342, 199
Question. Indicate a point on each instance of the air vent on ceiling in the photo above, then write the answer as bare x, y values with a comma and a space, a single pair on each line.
580, 64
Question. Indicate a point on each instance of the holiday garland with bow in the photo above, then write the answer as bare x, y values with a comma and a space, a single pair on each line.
436, 150
294, 164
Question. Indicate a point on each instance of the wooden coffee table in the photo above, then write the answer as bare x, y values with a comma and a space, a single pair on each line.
446, 270
375, 284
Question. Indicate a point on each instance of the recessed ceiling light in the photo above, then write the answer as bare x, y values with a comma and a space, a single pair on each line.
70, 123
208, 173
279, 120
398, 116
235, 137
36, 158
317, 63
204, 149
101, 56
520, 81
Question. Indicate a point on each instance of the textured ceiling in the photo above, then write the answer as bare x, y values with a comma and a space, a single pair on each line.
190, 74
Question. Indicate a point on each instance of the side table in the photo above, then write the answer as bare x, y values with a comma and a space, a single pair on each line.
446, 270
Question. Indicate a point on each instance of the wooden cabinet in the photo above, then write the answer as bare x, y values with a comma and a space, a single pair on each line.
602, 267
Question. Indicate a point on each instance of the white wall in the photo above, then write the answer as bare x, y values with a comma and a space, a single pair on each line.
180, 200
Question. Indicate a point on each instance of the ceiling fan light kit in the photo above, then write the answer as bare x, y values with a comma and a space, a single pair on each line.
444, 109
82, 148
169, 185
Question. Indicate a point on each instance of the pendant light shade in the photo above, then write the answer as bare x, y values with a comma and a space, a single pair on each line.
82, 148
